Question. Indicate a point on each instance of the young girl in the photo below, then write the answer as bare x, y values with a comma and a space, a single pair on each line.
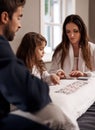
31, 51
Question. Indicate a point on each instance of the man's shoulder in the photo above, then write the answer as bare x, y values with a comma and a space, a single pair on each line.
2, 38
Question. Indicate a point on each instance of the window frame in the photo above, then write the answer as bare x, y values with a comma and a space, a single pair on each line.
64, 9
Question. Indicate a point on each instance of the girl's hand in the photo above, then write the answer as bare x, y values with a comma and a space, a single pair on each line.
61, 74
77, 73
55, 79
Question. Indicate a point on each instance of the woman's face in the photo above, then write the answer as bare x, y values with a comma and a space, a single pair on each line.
73, 33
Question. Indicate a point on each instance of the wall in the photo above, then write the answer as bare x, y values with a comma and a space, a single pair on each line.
92, 20
82, 9
30, 21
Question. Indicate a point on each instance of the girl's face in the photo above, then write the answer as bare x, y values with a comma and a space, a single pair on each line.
73, 33
39, 51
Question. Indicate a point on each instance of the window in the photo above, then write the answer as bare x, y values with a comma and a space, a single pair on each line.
54, 14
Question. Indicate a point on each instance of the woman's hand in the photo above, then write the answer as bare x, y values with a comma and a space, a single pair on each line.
61, 74
77, 73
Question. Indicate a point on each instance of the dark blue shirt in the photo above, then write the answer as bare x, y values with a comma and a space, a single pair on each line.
17, 85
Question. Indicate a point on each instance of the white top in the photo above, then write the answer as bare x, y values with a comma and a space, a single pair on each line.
45, 75
75, 65
69, 62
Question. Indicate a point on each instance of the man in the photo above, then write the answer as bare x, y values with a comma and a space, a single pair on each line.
17, 86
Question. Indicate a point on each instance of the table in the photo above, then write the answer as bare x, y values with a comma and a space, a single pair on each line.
76, 101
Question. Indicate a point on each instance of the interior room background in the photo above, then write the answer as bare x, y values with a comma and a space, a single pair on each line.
34, 20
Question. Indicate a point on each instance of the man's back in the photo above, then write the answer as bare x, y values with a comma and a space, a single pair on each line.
23, 90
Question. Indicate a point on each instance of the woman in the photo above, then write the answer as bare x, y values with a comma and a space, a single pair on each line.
75, 55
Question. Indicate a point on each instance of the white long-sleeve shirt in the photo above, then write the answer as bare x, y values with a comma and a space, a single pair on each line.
45, 75
69, 62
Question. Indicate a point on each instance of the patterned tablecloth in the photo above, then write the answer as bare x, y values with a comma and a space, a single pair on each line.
74, 96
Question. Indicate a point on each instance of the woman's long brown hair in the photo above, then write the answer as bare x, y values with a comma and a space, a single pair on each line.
65, 43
